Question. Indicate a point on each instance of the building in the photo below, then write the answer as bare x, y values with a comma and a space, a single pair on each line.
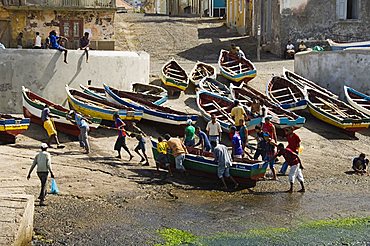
70, 18
239, 15
313, 21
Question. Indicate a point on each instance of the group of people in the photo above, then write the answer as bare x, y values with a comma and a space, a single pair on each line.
291, 51
53, 41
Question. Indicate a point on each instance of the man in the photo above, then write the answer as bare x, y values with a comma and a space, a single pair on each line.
223, 158
237, 150
85, 45
243, 133
189, 134
55, 45
82, 124
20, 40
261, 144
121, 139
270, 153
37, 44
178, 150
235, 50
359, 164
43, 162
269, 128
256, 107
290, 50
141, 146
238, 113
302, 46
214, 130
49, 127
294, 142
295, 166
203, 140
163, 158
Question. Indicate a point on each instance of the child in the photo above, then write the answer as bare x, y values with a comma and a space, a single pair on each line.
140, 146
270, 153
243, 132
163, 158
261, 144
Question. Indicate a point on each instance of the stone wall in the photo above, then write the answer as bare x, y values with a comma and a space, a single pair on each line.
45, 73
332, 70
100, 22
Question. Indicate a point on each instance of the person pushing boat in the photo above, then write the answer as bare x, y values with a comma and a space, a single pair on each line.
49, 126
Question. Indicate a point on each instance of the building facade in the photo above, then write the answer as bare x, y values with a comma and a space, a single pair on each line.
312, 21
239, 15
70, 18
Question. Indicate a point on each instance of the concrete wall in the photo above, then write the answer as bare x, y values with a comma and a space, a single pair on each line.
44, 72
332, 70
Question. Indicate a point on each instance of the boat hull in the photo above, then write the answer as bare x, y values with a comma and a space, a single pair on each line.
243, 173
342, 46
10, 128
143, 88
175, 81
209, 73
360, 96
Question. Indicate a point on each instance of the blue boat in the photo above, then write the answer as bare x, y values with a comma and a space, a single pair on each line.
11, 126
342, 46
152, 112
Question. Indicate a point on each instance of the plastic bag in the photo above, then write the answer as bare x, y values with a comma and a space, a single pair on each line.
54, 188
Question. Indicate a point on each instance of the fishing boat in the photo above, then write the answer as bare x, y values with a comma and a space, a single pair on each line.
151, 90
94, 107
152, 112
341, 46
281, 118
10, 127
99, 92
210, 103
33, 105
357, 100
285, 93
214, 86
246, 172
202, 70
234, 68
336, 112
302, 82
174, 76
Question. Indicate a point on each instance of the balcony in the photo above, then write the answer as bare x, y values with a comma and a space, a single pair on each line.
80, 4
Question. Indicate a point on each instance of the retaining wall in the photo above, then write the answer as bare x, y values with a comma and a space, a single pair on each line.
332, 69
45, 73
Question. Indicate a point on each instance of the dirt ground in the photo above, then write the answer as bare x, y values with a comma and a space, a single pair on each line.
107, 201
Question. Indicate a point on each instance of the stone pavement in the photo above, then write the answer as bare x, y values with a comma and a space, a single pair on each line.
16, 207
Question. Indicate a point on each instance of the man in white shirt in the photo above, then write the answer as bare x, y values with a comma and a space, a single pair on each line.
214, 130
37, 44
290, 50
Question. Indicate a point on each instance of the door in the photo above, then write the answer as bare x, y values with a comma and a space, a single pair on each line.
5, 33
73, 30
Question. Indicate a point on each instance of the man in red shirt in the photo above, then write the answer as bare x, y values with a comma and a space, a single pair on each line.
292, 159
269, 128
294, 142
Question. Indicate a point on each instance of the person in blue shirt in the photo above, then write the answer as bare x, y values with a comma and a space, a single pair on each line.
54, 43
203, 140
237, 143
82, 124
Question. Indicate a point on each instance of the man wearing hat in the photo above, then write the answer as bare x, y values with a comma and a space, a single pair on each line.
189, 134
238, 113
43, 162
82, 124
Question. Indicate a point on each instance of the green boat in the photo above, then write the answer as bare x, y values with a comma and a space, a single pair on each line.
244, 173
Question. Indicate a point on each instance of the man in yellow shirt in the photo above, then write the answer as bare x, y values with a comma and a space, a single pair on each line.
162, 158
238, 113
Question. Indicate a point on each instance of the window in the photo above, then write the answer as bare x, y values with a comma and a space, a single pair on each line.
348, 9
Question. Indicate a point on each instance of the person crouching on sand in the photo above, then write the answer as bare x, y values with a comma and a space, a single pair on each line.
295, 164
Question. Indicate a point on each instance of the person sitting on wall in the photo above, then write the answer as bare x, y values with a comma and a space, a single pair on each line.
302, 46
55, 45
290, 51
85, 45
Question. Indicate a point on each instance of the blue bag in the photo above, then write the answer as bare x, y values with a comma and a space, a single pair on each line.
54, 187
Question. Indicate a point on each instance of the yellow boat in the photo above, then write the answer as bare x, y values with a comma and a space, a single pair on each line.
174, 76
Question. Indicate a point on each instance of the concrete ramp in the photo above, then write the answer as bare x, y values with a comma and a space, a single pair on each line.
44, 72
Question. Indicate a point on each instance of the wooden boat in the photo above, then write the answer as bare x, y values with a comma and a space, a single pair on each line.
281, 118
210, 103
10, 127
214, 86
202, 70
303, 82
152, 90
174, 76
92, 106
358, 100
285, 93
336, 112
342, 46
152, 112
33, 105
234, 68
244, 173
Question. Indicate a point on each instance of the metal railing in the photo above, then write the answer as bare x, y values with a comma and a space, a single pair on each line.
62, 3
